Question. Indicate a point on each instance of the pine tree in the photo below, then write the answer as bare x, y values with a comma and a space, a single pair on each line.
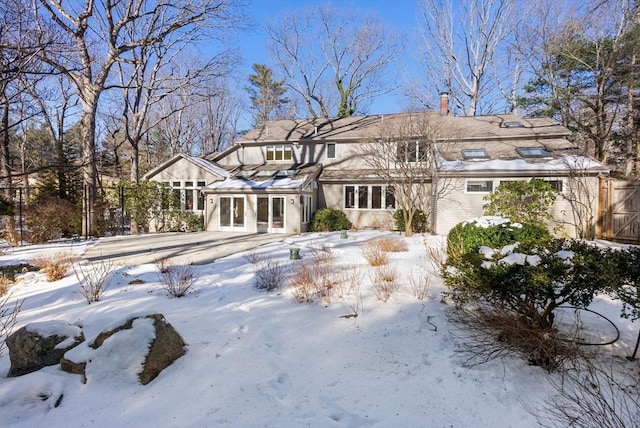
267, 94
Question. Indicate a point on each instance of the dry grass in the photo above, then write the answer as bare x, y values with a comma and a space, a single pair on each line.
374, 255
315, 278
54, 265
419, 283
385, 281
391, 244
5, 283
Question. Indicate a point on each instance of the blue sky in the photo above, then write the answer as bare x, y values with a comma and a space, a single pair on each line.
398, 14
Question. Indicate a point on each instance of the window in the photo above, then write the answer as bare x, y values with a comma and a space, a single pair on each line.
374, 197
477, 186
533, 152
331, 150
412, 151
471, 154
189, 197
306, 209
555, 185
279, 153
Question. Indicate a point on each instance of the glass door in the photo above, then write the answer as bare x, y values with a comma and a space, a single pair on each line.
232, 212
277, 214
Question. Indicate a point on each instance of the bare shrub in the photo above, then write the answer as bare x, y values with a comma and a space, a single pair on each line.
391, 244
348, 281
353, 302
163, 264
8, 316
436, 256
385, 281
93, 279
269, 275
374, 254
419, 284
489, 332
315, 278
54, 265
178, 279
254, 258
591, 397
302, 285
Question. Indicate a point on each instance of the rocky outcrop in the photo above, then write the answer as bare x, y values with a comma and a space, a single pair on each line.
42, 344
164, 348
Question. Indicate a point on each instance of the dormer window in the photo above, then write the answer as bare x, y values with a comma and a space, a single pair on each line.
475, 154
533, 152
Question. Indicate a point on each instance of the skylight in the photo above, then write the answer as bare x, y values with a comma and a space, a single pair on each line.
470, 154
533, 152
513, 124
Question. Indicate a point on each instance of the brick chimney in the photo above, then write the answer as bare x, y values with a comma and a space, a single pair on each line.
444, 103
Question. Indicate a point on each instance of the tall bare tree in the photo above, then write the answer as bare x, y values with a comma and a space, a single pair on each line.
465, 51
335, 60
406, 156
99, 35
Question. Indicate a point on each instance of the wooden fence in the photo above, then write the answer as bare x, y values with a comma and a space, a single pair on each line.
619, 211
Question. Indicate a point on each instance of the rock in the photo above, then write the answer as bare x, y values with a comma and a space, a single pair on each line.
41, 344
74, 368
164, 349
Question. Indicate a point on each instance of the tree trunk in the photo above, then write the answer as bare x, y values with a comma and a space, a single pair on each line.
89, 168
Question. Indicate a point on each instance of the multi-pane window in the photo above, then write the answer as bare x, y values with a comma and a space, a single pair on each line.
374, 197
412, 151
279, 153
188, 194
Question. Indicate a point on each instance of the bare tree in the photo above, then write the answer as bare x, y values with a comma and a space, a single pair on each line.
149, 75
406, 156
583, 65
101, 34
465, 50
333, 59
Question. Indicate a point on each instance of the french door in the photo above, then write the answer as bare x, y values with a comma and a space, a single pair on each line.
270, 214
232, 212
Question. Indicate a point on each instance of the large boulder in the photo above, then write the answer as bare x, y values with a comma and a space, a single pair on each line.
164, 346
41, 344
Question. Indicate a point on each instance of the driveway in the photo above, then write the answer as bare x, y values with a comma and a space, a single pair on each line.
196, 248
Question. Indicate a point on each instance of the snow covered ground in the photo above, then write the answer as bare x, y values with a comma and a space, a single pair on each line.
257, 359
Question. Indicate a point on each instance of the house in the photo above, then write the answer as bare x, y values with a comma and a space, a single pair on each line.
279, 174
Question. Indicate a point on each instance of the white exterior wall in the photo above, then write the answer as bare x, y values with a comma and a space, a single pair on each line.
359, 218
460, 205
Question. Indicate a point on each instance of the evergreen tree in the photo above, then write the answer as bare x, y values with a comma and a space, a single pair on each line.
267, 94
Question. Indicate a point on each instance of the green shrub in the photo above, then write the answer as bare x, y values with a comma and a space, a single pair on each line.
419, 222
329, 220
522, 201
628, 289
494, 232
533, 279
